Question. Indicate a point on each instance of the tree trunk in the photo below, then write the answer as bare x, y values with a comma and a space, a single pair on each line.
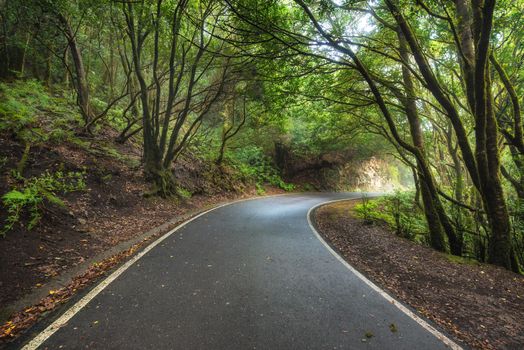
417, 186
82, 86
433, 209
487, 153
467, 59
164, 183
499, 249
483, 165
220, 157
24, 55
436, 233
48, 66
66, 71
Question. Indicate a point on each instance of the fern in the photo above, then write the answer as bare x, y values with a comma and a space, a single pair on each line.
37, 191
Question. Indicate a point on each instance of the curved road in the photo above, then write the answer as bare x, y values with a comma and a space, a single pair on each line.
249, 275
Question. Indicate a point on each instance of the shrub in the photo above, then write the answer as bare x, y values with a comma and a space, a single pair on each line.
260, 190
366, 209
399, 211
373, 211
253, 164
516, 207
19, 103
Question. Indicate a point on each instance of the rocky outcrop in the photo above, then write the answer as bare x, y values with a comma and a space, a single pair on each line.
342, 171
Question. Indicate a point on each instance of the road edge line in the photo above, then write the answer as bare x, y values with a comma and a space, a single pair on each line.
423, 323
41, 337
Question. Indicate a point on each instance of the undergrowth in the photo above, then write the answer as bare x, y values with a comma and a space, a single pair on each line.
253, 164
33, 115
401, 212
33, 194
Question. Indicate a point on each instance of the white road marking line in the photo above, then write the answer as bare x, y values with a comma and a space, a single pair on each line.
448, 342
62, 320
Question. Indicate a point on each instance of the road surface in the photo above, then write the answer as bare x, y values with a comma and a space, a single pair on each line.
249, 275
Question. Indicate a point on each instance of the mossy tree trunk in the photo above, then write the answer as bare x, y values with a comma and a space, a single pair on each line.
483, 164
438, 221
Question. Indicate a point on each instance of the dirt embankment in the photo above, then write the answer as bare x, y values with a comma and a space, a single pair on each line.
112, 209
480, 305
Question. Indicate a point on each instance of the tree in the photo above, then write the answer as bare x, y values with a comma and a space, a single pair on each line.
183, 89
466, 31
233, 121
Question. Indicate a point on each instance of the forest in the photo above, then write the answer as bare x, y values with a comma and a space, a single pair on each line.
260, 91
116, 115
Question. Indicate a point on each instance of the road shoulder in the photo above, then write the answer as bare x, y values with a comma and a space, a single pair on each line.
480, 305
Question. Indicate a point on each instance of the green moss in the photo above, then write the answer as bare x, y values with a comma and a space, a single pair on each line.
30, 112
460, 260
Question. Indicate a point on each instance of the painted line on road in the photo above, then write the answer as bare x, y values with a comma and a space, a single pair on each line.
73, 310
448, 342
64, 318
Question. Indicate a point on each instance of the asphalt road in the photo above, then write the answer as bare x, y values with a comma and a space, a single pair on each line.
250, 275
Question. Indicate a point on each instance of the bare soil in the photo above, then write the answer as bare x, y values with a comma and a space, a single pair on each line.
479, 304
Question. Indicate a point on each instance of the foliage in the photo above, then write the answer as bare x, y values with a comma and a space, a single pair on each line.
183, 192
399, 211
366, 209
29, 111
252, 163
260, 190
35, 193
320, 77
19, 104
516, 206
